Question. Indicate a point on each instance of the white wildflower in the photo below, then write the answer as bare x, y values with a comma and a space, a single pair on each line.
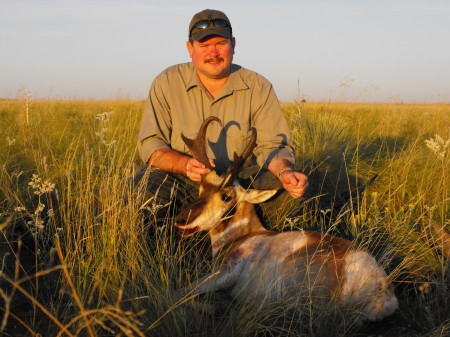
10, 141
39, 209
58, 231
292, 222
17, 175
430, 209
39, 224
40, 187
47, 187
20, 209
36, 225
438, 145
104, 117
110, 144
325, 212
35, 181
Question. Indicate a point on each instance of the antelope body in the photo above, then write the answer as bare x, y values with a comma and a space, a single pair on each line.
256, 264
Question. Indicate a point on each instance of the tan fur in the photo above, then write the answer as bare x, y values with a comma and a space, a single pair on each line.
258, 265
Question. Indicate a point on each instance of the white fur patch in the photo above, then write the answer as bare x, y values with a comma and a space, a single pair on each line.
366, 284
219, 239
296, 242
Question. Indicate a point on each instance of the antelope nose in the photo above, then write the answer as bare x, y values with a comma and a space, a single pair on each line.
180, 222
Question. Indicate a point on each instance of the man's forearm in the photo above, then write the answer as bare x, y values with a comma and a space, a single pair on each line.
169, 160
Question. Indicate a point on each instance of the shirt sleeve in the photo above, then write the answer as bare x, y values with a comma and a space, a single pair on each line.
156, 124
274, 135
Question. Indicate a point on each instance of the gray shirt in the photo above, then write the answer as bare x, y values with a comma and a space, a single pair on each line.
178, 103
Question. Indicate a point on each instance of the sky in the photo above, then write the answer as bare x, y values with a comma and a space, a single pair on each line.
318, 50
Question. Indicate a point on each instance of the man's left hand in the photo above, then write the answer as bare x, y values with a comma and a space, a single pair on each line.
295, 183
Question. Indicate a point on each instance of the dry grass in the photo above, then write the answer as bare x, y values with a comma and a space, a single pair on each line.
77, 259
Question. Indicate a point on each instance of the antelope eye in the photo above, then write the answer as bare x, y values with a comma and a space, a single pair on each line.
226, 197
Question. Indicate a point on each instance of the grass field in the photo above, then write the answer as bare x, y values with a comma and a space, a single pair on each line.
77, 259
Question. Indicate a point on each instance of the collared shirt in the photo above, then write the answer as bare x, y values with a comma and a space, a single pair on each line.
178, 103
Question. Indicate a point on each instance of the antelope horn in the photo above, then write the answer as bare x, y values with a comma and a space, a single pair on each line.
238, 161
197, 146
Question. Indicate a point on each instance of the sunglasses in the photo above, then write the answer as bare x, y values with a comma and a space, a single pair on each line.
202, 24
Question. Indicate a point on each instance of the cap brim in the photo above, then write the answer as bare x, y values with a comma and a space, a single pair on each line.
201, 34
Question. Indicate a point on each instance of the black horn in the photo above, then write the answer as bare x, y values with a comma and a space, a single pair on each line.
238, 161
197, 146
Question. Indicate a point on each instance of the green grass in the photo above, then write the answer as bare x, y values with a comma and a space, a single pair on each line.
80, 261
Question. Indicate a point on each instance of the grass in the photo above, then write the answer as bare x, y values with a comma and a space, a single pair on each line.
77, 259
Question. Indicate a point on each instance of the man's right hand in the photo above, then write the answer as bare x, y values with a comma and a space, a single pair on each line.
172, 161
195, 169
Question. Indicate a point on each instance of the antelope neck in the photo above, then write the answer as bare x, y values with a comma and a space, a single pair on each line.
243, 224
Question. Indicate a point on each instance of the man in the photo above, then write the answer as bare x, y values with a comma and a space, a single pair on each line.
182, 96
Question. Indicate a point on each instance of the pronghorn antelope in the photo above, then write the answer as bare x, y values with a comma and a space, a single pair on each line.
258, 264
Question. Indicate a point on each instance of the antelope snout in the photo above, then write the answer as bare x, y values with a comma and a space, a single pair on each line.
180, 222
185, 229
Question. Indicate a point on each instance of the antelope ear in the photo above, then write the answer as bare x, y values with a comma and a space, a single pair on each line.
257, 196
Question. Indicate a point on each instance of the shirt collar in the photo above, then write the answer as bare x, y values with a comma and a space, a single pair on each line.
194, 81
234, 82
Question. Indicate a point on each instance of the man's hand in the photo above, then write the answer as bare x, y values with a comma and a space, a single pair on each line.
172, 161
195, 169
295, 183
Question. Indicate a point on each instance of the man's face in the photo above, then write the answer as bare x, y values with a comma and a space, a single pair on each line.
212, 57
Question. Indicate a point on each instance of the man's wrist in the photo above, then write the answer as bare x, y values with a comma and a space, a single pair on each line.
284, 170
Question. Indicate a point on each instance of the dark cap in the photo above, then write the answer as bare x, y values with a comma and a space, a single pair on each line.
197, 34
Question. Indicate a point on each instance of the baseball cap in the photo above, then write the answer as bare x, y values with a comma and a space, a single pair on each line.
209, 22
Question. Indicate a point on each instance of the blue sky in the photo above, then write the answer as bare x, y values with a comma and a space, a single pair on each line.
367, 50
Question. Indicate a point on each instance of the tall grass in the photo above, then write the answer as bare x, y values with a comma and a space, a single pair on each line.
78, 259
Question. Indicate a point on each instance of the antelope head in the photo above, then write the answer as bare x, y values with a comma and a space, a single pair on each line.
218, 195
